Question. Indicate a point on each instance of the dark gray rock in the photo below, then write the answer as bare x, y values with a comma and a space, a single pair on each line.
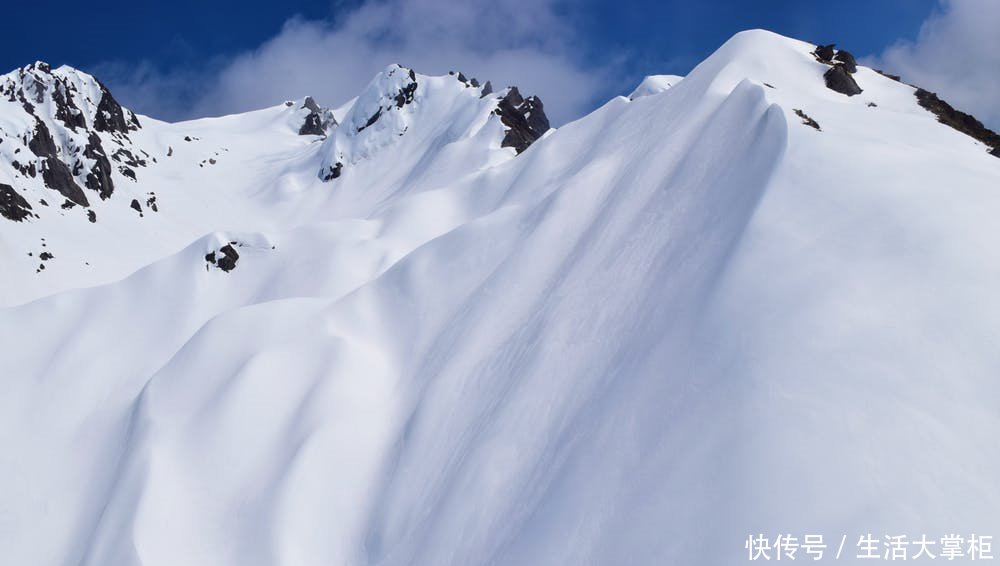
374, 118
125, 156
807, 120
313, 126
58, 177
66, 109
965, 123
12, 204
896, 78
524, 117
111, 117
127, 172
228, 260
405, 94
839, 80
333, 172
41, 142
825, 52
319, 120
847, 60
99, 177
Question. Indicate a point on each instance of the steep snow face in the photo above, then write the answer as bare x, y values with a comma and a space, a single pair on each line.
681, 320
654, 84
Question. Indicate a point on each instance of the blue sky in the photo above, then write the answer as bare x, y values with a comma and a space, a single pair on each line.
191, 58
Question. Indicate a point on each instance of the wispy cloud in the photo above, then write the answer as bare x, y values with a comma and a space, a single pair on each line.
506, 41
956, 54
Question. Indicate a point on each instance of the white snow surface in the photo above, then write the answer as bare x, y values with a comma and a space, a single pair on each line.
654, 84
680, 320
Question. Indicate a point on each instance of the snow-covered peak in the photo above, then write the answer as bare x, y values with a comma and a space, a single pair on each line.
59, 129
654, 84
414, 112
394, 87
73, 97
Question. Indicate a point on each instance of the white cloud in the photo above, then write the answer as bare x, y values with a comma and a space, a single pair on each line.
505, 41
957, 55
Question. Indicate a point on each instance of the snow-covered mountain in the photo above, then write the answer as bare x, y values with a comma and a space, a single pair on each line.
425, 328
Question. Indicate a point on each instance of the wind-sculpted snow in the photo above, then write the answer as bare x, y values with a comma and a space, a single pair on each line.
681, 320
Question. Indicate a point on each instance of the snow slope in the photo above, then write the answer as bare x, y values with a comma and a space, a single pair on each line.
654, 84
678, 321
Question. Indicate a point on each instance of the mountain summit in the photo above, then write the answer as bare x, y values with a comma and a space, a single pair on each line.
425, 328
71, 155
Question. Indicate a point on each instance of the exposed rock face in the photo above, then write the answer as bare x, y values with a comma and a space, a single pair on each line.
524, 117
12, 205
41, 142
965, 123
842, 65
847, 61
807, 120
405, 94
312, 126
228, 260
393, 105
99, 177
838, 79
110, 115
58, 177
825, 53
319, 120
896, 78
66, 110
333, 171
230, 256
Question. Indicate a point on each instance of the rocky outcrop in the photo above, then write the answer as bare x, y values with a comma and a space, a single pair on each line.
111, 117
73, 124
333, 171
524, 117
59, 178
965, 123
807, 120
228, 260
847, 61
319, 121
66, 109
840, 80
825, 53
12, 205
99, 177
842, 65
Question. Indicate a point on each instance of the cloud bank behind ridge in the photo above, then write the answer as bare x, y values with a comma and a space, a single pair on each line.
506, 42
957, 55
